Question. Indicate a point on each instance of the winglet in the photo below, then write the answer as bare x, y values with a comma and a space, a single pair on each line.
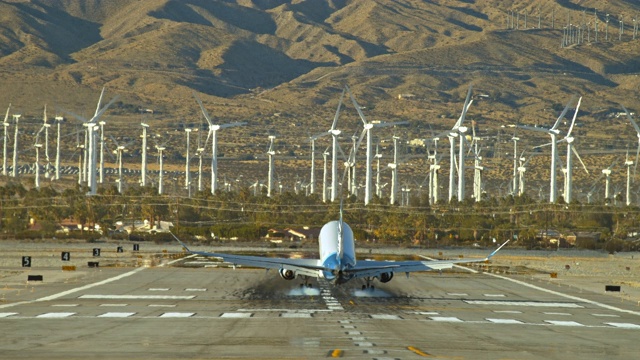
498, 249
181, 243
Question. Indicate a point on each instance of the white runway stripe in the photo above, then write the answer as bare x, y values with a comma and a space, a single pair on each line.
385, 317
445, 319
7, 314
504, 321
194, 289
138, 297
56, 315
236, 315
176, 315
159, 289
65, 305
295, 315
113, 305
563, 323
116, 315
624, 325
523, 303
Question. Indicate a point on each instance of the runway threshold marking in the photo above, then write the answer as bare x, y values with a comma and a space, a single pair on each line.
56, 315
567, 296
116, 315
7, 314
177, 315
88, 286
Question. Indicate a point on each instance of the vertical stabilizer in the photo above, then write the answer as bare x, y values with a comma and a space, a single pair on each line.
340, 252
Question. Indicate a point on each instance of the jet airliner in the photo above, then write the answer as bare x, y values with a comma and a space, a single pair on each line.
337, 262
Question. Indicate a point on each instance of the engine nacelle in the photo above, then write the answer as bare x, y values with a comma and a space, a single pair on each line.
386, 277
287, 274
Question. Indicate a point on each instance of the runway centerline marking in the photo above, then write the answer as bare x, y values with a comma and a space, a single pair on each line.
7, 314
56, 315
236, 315
563, 323
116, 315
176, 315
114, 305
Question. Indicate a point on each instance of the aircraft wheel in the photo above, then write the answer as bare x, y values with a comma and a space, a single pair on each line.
364, 287
372, 288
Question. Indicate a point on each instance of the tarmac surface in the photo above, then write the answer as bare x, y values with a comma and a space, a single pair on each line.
189, 308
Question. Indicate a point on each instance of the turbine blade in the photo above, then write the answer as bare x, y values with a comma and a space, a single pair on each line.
564, 112
204, 111
635, 125
224, 126
357, 106
335, 118
6, 116
99, 102
580, 159
574, 117
99, 113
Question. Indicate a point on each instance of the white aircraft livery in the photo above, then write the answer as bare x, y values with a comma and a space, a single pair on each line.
337, 262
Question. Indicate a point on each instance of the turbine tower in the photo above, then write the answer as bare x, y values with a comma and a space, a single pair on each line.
270, 153
59, 120
462, 130
515, 164
143, 169
46, 127
213, 129
553, 132
6, 140
394, 172
16, 118
325, 154
101, 173
367, 130
160, 148
187, 173
628, 164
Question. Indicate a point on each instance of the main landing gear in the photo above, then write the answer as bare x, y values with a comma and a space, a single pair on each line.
306, 283
368, 285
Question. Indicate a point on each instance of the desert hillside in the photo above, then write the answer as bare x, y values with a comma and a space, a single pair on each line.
281, 65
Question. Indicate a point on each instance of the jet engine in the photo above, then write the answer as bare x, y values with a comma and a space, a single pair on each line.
288, 274
386, 277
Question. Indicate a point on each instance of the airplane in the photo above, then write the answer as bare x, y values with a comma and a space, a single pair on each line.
337, 263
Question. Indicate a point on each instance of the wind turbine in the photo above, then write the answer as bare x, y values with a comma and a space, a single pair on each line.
271, 154
119, 150
553, 132
367, 129
607, 182
213, 129
91, 127
461, 130
569, 139
334, 150
521, 170
46, 127
635, 126
433, 173
312, 181
16, 118
6, 140
451, 135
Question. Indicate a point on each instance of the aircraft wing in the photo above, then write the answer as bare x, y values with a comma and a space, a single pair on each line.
308, 267
376, 268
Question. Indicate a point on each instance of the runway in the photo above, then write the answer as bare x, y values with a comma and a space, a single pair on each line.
198, 312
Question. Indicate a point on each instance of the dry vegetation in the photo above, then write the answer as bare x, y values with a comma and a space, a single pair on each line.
280, 65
